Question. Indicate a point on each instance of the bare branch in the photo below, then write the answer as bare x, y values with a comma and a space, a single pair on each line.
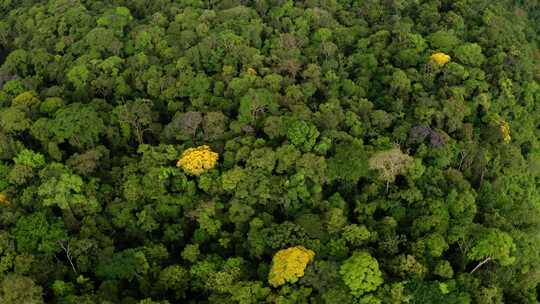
480, 264
68, 255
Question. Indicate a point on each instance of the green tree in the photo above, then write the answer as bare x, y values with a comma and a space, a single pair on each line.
128, 265
400, 83
493, 244
349, 163
14, 120
255, 104
134, 117
79, 124
175, 279
67, 192
361, 273
302, 134
35, 234
78, 76
20, 289
470, 54
30, 158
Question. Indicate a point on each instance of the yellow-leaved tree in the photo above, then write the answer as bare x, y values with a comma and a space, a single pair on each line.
288, 265
198, 160
440, 58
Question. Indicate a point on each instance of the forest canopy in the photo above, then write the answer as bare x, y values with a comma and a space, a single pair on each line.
270, 151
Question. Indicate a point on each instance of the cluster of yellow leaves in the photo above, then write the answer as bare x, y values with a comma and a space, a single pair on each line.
505, 130
440, 58
289, 264
197, 160
4, 200
252, 71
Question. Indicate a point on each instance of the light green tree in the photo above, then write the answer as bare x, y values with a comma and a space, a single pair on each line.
302, 134
361, 273
493, 244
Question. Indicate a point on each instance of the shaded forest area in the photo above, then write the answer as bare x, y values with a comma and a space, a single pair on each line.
269, 151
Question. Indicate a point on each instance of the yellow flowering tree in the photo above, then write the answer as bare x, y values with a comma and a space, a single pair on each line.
198, 160
289, 264
440, 58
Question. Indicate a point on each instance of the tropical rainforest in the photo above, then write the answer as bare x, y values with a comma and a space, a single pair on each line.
269, 151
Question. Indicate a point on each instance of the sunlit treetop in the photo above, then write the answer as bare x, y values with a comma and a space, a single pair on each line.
198, 160
361, 273
440, 58
504, 127
288, 265
4, 199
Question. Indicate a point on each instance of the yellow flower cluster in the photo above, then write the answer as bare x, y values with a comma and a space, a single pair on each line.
197, 160
505, 131
440, 58
289, 264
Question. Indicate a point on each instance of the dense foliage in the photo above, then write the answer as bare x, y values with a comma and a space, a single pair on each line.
289, 264
160, 151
